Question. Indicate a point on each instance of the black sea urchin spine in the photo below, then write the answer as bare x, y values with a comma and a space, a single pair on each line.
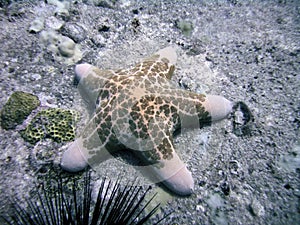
114, 205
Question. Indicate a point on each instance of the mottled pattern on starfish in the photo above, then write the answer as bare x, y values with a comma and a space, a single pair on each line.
139, 109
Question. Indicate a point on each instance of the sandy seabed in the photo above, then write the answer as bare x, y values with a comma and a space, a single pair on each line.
247, 51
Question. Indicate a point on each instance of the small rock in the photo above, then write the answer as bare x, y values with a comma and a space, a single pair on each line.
37, 25
75, 31
54, 23
35, 77
102, 3
66, 47
99, 40
256, 208
62, 8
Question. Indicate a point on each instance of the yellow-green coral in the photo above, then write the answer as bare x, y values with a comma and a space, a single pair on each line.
18, 107
57, 124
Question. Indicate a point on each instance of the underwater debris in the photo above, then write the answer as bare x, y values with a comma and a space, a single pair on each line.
242, 119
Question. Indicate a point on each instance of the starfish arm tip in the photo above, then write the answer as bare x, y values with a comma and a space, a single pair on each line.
73, 159
218, 106
168, 53
81, 70
182, 182
175, 175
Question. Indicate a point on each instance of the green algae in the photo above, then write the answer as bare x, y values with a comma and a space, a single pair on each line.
17, 109
186, 27
56, 124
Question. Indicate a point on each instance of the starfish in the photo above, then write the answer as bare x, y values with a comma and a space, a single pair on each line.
140, 109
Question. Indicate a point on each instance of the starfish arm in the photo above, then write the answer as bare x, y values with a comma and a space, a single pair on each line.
74, 159
87, 149
168, 53
217, 106
78, 156
161, 63
169, 168
198, 110
176, 176
152, 121
90, 81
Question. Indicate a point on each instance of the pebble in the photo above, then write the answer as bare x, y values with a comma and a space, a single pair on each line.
75, 31
256, 208
37, 25
35, 76
66, 47
54, 23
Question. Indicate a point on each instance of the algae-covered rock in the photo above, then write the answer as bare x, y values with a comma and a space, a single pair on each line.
57, 124
186, 27
18, 107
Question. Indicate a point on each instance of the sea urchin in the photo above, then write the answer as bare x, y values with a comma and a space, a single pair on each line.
114, 205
